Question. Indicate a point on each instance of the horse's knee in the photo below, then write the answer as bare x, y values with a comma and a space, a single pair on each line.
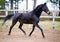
20, 25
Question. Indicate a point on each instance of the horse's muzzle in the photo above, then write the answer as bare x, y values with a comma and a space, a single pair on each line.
48, 12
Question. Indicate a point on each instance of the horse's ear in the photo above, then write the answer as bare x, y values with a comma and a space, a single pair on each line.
44, 3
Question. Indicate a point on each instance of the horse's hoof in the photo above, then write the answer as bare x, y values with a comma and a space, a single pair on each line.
8, 34
53, 27
29, 35
25, 33
43, 36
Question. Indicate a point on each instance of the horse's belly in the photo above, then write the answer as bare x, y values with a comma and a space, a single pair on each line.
27, 21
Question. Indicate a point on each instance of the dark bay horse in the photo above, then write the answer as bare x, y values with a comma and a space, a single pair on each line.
31, 17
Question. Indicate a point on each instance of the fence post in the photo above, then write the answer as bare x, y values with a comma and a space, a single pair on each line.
53, 19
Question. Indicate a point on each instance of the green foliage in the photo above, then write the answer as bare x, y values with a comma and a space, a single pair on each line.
2, 4
54, 1
59, 5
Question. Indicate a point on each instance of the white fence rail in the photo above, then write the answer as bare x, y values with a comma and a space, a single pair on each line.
53, 16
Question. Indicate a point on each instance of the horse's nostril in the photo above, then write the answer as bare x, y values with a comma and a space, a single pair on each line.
48, 12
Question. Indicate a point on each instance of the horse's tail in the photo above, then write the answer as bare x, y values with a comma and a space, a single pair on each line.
7, 17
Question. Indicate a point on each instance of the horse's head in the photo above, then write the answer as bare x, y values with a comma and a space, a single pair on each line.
45, 8
41, 7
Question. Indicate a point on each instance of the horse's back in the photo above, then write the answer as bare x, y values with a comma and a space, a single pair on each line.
16, 15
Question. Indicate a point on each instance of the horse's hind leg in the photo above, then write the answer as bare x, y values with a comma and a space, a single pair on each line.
32, 30
13, 23
20, 27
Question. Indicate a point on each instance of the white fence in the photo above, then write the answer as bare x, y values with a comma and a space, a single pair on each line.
53, 16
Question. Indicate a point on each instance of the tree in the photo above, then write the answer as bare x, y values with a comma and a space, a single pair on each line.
16, 4
34, 4
59, 7
26, 4
2, 4
11, 4
56, 2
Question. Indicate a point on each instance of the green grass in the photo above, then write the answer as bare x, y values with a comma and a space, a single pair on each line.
43, 24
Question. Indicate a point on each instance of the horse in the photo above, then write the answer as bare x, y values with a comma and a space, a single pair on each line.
31, 17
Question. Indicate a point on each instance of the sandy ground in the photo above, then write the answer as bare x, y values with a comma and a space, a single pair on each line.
18, 36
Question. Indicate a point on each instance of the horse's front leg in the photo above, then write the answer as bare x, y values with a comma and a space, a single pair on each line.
32, 30
36, 24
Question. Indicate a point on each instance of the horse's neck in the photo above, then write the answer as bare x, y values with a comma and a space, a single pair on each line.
38, 14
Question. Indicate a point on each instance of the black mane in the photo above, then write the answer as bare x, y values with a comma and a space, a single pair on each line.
38, 10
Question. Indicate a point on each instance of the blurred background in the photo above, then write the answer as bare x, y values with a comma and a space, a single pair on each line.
28, 4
